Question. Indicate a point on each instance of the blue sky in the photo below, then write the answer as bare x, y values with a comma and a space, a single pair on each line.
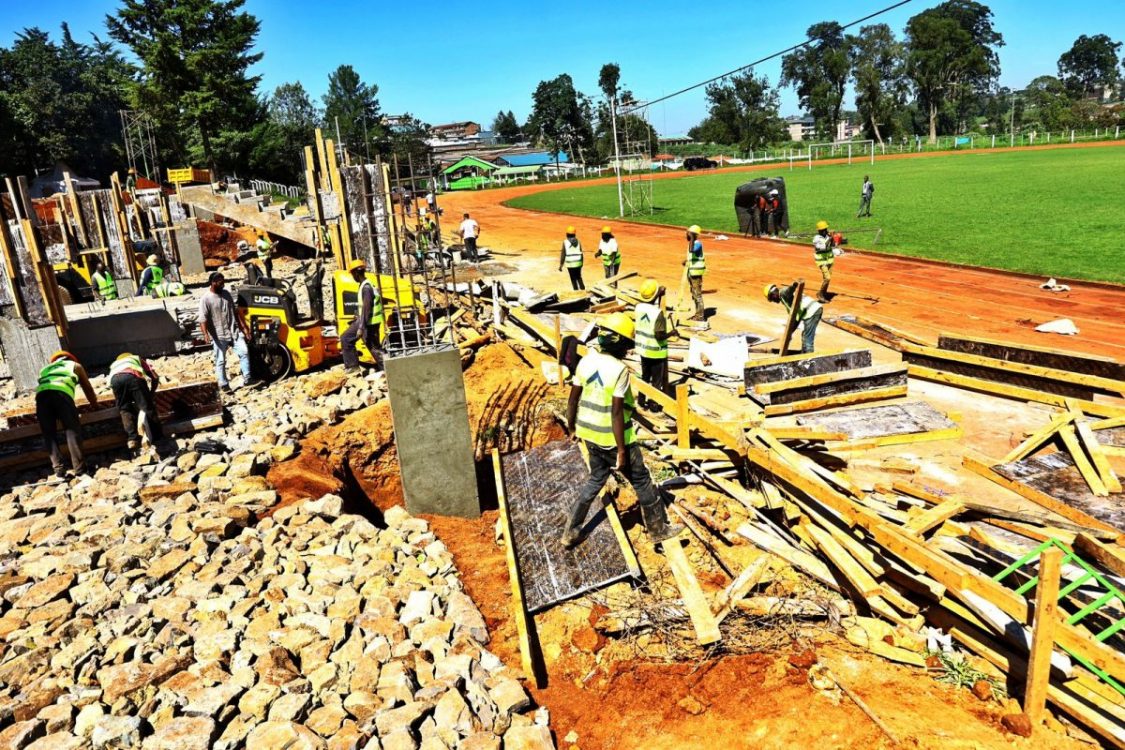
446, 61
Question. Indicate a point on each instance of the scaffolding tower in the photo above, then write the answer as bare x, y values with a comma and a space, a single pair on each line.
140, 144
635, 161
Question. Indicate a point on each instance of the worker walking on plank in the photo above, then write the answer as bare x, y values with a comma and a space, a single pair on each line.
105, 286
224, 329
368, 320
600, 413
865, 195
571, 257
696, 267
134, 398
151, 276
265, 253
824, 252
808, 315
609, 252
652, 340
54, 402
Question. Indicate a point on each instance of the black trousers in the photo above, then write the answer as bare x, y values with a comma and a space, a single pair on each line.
471, 248
52, 407
134, 396
655, 373
602, 461
576, 278
612, 270
352, 334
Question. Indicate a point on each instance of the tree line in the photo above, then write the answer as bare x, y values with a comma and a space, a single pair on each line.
190, 72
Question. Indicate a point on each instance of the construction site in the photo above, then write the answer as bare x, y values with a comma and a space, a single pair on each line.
908, 535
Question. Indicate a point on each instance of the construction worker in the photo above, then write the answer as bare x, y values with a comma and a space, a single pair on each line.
652, 336
151, 276
808, 315
824, 252
470, 232
600, 413
696, 266
54, 402
773, 202
756, 213
368, 321
105, 286
866, 193
224, 329
134, 398
131, 180
609, 252
571, 257
265, 253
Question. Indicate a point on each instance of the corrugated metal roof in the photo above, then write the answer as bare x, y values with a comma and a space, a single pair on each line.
469, 161
531, 159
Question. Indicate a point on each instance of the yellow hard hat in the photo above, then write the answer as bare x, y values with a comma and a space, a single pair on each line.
153, 260
694, 229
570, 230
649, 290
63, 354
769, 288
822, 224
357, 265
606, 229
618, 323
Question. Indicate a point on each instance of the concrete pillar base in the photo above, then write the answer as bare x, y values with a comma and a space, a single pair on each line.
27, 351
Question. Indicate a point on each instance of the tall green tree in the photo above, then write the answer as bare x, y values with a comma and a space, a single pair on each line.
819, 71
353, 106
560, 118
195, 77
1049, 104
879, 79
1091, 62
277, 142
951, 50
506, 127
742, 112
406, 140
60, 101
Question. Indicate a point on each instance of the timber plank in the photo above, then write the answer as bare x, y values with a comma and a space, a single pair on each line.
1043, 635
705, 624
1086, 364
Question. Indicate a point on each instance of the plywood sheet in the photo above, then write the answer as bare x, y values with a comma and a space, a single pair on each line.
998, 375
880, 421
802, 367
1087, 364
541, 484
1056, 475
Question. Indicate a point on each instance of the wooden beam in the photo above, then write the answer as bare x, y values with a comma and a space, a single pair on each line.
683, 417
1040, 498
1013, 391
829, 377
1043, 635
1038, 438
1109, 556
839, 399
1105, 424
804, 433
904, 438
791, 321
1067, 361
853, 572
338, 187
1085, 468
705, 624
933, 517
739, 587
1097, 456
525, 624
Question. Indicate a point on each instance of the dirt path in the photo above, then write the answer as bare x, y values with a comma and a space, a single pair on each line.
921, 296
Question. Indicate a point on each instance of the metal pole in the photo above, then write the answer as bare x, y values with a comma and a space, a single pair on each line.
616, 154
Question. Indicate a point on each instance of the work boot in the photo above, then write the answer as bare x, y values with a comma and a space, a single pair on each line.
656, 523
822, 295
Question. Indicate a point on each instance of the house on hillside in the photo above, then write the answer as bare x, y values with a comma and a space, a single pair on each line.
468, 173
454, 131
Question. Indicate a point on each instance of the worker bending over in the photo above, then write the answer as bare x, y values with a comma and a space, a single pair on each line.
652, 340
600, 412
808, 315
696, 266
134, 398
609, 253
54, 402
824, 252
571, 257
368, 320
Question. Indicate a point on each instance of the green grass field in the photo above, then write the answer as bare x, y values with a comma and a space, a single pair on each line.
1053, 212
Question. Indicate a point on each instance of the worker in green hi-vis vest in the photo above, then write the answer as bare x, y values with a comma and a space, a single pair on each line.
54, 403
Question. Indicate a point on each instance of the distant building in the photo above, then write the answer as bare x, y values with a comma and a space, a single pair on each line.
803, 128
674, 140
455, 130
532, 159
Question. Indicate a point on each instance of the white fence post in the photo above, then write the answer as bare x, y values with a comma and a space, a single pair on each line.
1072, 136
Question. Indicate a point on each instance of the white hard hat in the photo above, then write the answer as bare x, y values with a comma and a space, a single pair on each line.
773, 192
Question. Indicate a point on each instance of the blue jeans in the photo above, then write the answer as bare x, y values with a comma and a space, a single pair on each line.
808, 330
219, 350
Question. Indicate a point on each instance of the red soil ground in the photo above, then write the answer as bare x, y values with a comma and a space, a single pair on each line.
923, 297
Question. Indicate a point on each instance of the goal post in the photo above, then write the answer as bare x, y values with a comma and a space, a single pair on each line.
853, 151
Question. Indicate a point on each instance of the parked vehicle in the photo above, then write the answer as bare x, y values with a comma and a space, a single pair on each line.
693, 163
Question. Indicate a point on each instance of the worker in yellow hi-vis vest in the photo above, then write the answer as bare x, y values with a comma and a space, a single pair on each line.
652, 339
600, 413
571, 257
696, 267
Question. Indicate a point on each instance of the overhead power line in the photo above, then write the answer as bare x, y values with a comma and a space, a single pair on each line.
737, 70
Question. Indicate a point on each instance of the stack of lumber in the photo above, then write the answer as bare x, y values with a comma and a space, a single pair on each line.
806, 382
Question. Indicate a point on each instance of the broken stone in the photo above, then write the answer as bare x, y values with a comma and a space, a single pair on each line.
528, 738
117, 731
284, 734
